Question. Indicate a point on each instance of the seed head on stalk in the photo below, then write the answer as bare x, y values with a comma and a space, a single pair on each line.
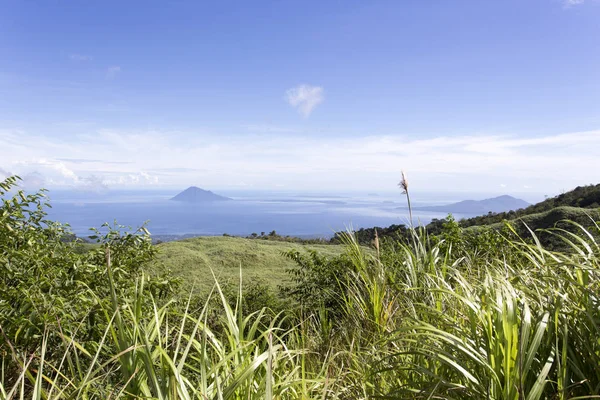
404, 186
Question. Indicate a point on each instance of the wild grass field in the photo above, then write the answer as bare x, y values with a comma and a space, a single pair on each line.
194, 260
490, 314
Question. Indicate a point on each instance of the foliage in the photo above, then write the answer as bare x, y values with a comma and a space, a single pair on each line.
274, 236
587, 197
541, 222
468, 315
315, 280
48, 287
459, 314
366, 236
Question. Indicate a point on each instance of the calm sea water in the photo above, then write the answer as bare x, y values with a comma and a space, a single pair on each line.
299, 214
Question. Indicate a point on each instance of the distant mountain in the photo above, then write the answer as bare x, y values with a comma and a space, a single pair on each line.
495, 205
194, 194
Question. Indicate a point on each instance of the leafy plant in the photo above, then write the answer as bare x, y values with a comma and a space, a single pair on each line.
459, 314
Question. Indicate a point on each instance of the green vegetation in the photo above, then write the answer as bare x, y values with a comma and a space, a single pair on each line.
578, 205
559, 217
587, 197
366, 236
464, 314
263, 260
274, 236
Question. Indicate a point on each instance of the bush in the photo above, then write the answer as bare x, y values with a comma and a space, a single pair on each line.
465, 314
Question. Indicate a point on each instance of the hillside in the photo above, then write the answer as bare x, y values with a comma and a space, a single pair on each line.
576, 205
194, 194
495, 204
553, 218
581, 197
192, 259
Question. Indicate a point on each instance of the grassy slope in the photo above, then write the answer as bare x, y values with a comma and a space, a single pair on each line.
554, 218
192, 259
550, 218
582, 197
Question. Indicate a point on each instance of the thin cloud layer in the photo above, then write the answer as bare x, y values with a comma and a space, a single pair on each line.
304, 98
144, 158
571, 3
113, 71
80, 57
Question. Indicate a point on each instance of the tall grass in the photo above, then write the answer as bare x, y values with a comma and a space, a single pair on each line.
502, 317
163, 354
434, 326
472, 328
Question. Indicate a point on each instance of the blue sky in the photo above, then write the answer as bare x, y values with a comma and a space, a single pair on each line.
483, 95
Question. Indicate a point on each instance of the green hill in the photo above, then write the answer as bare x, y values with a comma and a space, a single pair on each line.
193, 259
577, 205
580, 205
586, 197
553, 218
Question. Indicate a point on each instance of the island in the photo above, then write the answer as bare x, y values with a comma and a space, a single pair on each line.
194, 194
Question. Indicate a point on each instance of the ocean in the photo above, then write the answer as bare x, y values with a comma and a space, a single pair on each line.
297, 214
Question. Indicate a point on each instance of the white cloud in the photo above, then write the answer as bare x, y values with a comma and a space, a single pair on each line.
571, 3
269, 128
142, 158
92, 183
304, 98
111, 72
55, 172
132, 179
80, 57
